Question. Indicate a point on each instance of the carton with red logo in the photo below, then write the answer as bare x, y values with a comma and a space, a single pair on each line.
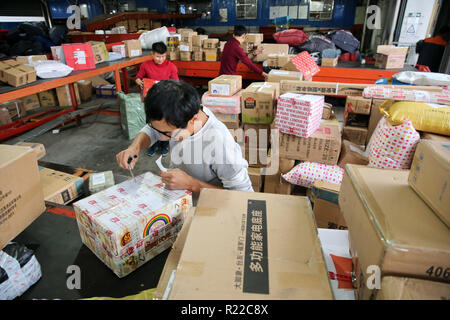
128, 224
79, 56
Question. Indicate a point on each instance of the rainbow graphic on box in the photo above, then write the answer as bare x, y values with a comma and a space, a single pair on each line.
154, 221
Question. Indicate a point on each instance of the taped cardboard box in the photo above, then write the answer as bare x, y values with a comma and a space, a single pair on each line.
185, 47
327, 213
64, 97
38, 148
257, 178
231, 121
133, 48
326, 88
29, 59
352, 154
47, 98
357, 104
375, 117
211, 43
254, 37
271, 48
5, 118
323, 146
391, 227
356, 135
185, 56
197, 40
329, 62
173, 55
211, 54
85, 89
18, 75
430, 176
278, 60
274, 183
197, 55
150, 218
259, 101
278, 75
390, 57
186, 36
15, 108
31, 102
21, 199
197, 49
210, 268
402, 288
225, 85
60, 187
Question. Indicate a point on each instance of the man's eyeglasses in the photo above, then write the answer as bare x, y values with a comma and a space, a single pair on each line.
165, 133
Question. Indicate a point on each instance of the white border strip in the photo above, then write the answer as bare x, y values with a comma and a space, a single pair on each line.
20, 19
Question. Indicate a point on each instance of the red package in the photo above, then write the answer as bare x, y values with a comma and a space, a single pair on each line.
305, 64
79, 56
148, 84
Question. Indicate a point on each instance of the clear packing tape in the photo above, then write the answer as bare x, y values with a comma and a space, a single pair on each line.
428, 117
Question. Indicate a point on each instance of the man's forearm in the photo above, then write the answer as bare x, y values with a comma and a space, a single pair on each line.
196, 185
141, 141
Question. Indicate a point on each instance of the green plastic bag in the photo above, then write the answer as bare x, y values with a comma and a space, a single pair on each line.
132, 113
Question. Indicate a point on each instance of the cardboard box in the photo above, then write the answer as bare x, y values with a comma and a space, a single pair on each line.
100, 51
286, 165
21, 198
79, 56
185, 56
352, 154
276, 184
210, 268
278, 61
18, 75
47, 98
60, 187
97, 80
29, 59
15, 108
211, 43
231, 121
133, 48
271, 48
197, 49
357, 104
356, 120
375, 117
198, 55
391, 227
432, 136
31, 102
430, 176
327, 111
355, 134
85, 89
257, 136
278, 75
105, 91
259, 101
197, 40
299, 114
185, 47
149, 221
402, 288
304, 63
323, 146
254, 38
225, 85
187, 36
38, 148
325, 88
173, 42
390, 57
211, 54
222, 104
257, 178
327, 213
64, 98
132, 25
329, 62
143, 24
173, 55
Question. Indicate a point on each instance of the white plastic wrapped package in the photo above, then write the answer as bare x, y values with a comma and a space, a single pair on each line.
19, 270
392, 147
47, 69
157, 35
114, 56
306, 173
423, 78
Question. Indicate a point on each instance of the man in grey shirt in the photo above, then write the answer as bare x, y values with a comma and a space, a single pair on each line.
203, 152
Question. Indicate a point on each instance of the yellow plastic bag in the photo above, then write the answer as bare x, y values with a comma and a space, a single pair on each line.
143, 295
426, 117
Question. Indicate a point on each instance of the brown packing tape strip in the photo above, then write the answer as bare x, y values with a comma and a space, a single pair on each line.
190, 268
206, 212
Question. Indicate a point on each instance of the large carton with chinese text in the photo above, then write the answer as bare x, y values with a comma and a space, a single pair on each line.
267, 255
391, 227
130, 223
21, 196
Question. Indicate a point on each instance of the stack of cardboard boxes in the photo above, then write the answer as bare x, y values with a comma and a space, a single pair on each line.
211, 49
356, 119
173, 52
197, 47
186, 44
252, 42
15, 73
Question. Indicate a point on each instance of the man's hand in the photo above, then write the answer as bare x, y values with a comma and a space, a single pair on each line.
265, 75
122, 157
176, 179
140, 83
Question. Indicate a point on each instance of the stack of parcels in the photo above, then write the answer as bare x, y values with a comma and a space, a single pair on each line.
173, 52
393, 232
252, 42
356, 119
197, 45
224, 99
211, 49
15, 73
270, 49
130, 223
299, 114
185, 46
269, 255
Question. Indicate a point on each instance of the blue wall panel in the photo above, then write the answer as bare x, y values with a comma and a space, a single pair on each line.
58, 8
343, 14
159, 5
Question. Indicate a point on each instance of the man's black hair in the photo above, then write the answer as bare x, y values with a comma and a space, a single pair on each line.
239, 30
174, 101
159, 47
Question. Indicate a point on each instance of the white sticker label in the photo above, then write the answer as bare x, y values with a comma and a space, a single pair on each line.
98, 178
135, 53
223, 89
184, 48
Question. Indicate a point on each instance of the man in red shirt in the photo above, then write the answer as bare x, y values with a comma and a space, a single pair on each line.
232, 53
157, 69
